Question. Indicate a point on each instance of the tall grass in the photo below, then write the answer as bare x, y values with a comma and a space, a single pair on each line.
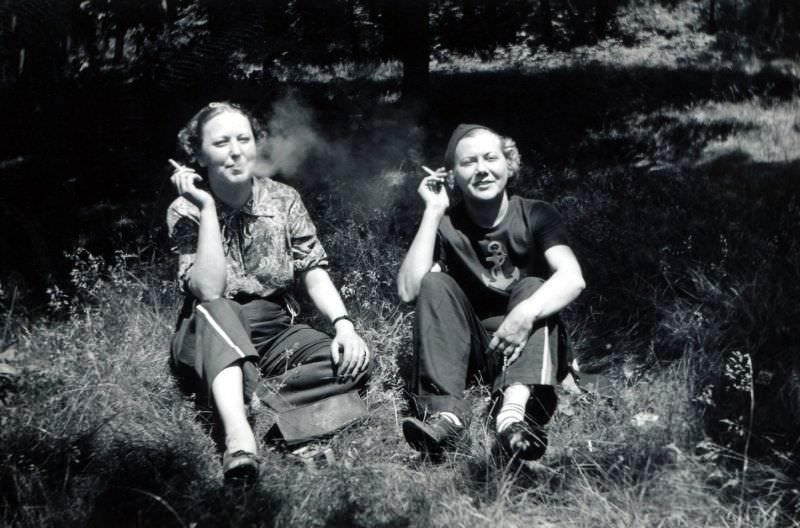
683, 216
96, 432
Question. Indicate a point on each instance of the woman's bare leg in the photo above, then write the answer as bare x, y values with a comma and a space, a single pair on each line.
227, 389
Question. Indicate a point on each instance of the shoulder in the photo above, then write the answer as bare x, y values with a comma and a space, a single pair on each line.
533, 209
530, 204
182, 208
452, 221
273, 196
276, 189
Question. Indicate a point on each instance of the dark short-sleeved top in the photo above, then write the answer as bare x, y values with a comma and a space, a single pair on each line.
486, 262
266, 242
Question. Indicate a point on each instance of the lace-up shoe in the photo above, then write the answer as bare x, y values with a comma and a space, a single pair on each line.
433, 435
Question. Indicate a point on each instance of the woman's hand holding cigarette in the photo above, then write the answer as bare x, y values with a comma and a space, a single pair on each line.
185, 180
432, 189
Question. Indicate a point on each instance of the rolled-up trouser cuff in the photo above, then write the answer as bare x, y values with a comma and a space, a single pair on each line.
538, 362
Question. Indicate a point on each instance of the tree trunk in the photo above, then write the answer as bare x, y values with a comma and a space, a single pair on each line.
406, 36
774, 30
470, 23
490, 24
416, 51
170, 10
352, 21
601, 17
712, 16
546, 22
119, 43
274, 15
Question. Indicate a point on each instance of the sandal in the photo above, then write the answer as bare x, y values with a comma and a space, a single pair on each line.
239, 467
526, 441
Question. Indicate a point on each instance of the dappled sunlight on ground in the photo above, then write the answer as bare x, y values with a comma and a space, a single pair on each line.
765, 131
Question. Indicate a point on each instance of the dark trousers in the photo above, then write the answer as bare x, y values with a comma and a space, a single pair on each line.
451, 348
258, 336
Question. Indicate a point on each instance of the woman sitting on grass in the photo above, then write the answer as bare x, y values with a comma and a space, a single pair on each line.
489, 276
241, 240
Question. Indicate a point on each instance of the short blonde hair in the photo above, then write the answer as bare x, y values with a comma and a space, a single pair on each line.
507, 145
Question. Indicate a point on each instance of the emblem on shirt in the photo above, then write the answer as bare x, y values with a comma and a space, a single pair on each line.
501, 275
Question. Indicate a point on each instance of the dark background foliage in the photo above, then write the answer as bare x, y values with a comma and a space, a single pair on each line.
690, 253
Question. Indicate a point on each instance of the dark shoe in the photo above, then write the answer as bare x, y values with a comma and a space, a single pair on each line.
434, 436
526, 441
240, 467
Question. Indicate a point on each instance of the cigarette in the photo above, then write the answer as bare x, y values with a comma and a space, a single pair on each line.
175, 163
429, 171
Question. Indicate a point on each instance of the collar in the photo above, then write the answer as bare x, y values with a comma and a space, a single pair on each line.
261, 201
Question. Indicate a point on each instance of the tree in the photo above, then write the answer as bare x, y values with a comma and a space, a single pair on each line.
546, 22
407, 36
783, 25
416, 60
712, 16
602, 13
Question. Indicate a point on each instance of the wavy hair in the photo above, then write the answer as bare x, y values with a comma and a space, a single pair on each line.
190, 137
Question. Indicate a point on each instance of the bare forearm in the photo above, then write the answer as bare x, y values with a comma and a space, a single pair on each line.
555, 294
419, 258
208, 275
324, 294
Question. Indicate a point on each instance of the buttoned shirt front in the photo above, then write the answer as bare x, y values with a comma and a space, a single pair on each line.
266, 242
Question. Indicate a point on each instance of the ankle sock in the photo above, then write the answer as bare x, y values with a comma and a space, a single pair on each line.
452, 418
515, 398
509, 414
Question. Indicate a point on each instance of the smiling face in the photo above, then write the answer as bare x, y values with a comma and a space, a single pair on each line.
227, 150
480, 168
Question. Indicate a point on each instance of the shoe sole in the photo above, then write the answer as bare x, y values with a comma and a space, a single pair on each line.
241, 469
537, 439
420, 439
244, 475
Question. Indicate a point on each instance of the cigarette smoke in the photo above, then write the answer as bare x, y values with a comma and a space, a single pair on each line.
291, 139
366, 164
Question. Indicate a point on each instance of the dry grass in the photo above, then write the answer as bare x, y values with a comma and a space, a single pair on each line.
95, 431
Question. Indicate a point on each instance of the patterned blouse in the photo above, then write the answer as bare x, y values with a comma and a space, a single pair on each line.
266, 242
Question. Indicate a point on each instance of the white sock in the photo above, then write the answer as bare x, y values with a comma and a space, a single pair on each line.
452, 418
515, 398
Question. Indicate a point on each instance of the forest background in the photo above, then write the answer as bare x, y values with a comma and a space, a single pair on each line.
666, 132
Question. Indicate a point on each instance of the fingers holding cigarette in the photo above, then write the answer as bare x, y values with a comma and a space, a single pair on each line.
439, 173
183, 178
435, 179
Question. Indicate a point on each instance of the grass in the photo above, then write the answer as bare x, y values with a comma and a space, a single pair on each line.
682, 212
97, 433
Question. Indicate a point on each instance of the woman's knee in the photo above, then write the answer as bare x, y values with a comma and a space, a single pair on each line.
223, 311
434, 283
220, 303
527, 285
